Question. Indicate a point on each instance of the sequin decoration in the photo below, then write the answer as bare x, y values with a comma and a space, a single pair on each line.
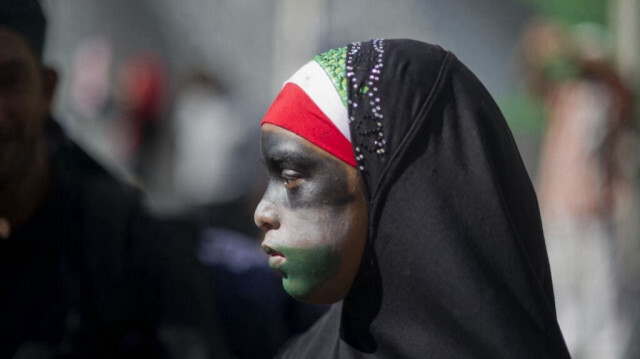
365, 111
333, 62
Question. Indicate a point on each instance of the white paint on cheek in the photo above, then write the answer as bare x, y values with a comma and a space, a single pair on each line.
308, 227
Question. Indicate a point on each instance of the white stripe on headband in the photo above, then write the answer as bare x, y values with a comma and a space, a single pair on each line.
316, 83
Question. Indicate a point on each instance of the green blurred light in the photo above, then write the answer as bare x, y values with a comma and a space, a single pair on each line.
572, 11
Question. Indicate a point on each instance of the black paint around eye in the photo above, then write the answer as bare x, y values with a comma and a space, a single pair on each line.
324, 180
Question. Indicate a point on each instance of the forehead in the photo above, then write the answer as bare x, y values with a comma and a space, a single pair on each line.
279, 144
14, 48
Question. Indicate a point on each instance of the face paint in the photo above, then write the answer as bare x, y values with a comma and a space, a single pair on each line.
306, 268
314, 215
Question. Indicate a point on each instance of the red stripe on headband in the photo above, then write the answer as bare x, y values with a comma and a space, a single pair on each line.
295, 111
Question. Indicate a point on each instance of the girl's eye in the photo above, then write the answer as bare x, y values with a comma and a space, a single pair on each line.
290, 178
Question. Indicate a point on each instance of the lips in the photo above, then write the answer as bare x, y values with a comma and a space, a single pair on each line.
270, 251
275, 258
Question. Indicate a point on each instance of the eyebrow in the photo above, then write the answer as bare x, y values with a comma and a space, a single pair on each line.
280, 150
288, 156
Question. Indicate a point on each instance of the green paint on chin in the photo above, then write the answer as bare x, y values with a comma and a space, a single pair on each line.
306, 269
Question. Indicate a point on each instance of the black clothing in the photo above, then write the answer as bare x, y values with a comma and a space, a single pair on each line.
256, 314
92, 275
455, 265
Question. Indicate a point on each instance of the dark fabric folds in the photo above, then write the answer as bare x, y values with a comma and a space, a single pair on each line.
456, 264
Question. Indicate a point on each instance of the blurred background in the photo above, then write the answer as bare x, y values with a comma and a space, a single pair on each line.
169, 95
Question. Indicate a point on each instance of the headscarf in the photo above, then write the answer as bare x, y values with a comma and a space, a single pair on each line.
26, 18
455, 264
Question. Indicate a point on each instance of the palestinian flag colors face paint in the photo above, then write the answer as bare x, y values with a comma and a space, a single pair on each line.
313, 211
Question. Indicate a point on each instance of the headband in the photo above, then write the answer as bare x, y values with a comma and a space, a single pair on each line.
312, 105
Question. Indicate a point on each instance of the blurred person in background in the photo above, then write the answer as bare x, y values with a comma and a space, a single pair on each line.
585, 181
141, 98
84, 270
214, 177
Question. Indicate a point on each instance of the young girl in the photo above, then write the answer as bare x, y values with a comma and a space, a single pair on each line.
396, 191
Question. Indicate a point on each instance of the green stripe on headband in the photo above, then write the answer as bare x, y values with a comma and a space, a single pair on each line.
334, 63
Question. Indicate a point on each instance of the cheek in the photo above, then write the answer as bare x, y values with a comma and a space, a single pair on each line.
307, 269
312, 226
323, 253
313, 248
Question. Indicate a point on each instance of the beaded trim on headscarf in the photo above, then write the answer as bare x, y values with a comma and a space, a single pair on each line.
366, 119
334, 63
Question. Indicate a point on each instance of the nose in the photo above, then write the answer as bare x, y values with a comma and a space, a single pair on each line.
265, 216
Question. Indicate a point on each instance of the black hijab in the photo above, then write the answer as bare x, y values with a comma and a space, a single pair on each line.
455, 265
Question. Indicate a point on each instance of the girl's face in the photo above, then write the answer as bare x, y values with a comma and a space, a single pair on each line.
314, 215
